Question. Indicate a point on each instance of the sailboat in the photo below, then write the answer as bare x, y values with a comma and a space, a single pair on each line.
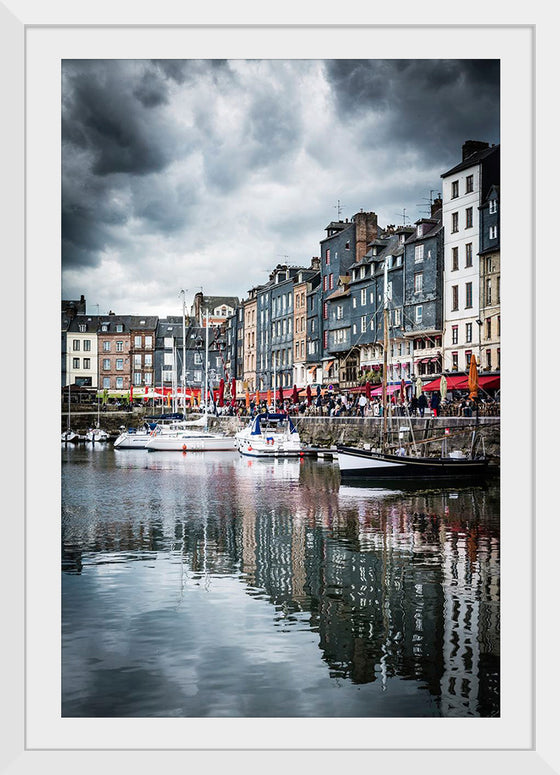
399, 465
97, 433
269, 434
192, 438
69, 434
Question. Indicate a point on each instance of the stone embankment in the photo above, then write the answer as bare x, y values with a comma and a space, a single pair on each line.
427, 433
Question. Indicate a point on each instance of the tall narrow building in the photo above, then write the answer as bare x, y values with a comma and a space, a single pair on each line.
465, 187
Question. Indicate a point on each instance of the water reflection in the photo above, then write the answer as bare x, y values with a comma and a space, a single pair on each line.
399, 591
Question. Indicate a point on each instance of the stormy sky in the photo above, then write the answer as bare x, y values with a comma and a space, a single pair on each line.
206, 174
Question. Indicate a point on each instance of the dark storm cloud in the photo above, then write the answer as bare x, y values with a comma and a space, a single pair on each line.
428, 104
163, 159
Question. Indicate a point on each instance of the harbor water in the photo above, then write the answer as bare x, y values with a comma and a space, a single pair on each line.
213, 585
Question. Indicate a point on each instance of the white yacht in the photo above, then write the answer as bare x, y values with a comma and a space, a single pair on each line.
269, 435
193, 436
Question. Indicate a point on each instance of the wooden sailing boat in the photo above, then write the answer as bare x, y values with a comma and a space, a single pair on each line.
384, 465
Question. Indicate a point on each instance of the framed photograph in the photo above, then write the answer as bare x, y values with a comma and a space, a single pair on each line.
229, 114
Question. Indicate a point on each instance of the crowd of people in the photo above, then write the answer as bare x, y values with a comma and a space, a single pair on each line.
330, 404
341, 404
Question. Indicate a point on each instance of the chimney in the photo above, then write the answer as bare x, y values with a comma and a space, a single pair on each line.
471, 147
436, 207
366, 231
316, 263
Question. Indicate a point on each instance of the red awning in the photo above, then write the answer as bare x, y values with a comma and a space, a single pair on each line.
489, 383
390, 390
455, 382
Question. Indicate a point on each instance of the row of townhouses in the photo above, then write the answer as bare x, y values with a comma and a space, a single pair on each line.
323, 324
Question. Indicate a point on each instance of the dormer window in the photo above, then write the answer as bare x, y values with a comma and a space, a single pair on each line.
119, 328
420, 230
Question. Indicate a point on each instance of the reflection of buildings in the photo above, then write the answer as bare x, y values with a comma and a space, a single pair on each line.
395, 586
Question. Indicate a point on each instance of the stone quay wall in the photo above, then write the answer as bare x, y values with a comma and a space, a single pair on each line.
427, 432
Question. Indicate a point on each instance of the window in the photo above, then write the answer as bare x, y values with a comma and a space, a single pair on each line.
119, 328
137, 362
168, 359
325, 311
454, 222
418, 253
470, 184
106, 382
396, 317
454, 259
168, 342
468, 356
119, 364
105, 327
468, 332
468, 254
87, 363
339, 312
138, 341
148, 378
197, 359
418, 279
493, 206
327, 256
454, 361
489, 328
75, 363
148, 342
106, 364
120, 383
488, 359
363, 323
325, 339
76, 344
331, 282
87, 345
454, 297
468, 295
454, 189
325, 282
119, 346
418, 314
468, 218
82, 328
197, 376
137, 378
363, 297
493, 232
106, 347
488, 291
488, 264
454, 334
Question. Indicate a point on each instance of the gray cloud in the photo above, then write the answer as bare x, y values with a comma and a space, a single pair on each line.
169, 164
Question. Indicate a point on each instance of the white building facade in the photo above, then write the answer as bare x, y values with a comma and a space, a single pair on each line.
464, 188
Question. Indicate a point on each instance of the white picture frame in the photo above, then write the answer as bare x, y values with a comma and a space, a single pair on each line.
35, 737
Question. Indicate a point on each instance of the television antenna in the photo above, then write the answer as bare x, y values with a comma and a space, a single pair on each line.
338, 207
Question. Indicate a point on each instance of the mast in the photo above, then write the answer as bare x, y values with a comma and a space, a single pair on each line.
184, 380
385, 349
206, 370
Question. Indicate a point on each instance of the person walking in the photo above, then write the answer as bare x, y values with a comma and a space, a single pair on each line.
434, 404
422, 404
362, 405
